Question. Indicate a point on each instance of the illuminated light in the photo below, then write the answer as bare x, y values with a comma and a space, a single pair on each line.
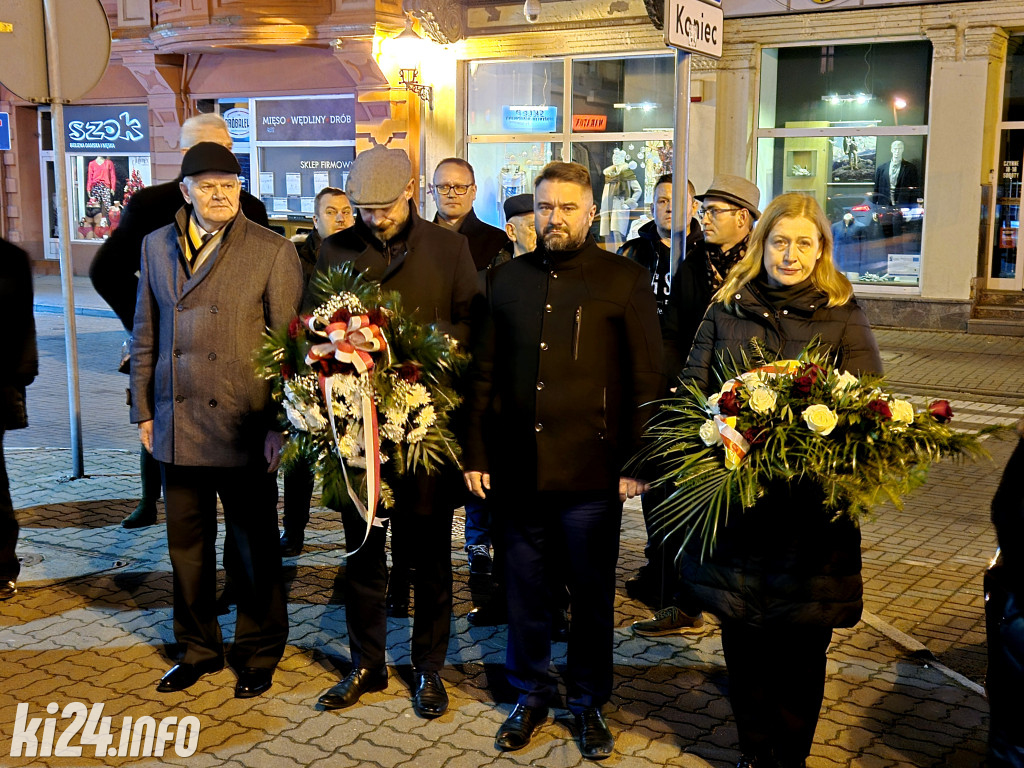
860, 208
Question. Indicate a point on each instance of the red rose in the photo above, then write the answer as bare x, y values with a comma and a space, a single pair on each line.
754, 436
287, 371
409, 371
941, 411
881, 407
802, 384
294, 327
341, 316
729, 404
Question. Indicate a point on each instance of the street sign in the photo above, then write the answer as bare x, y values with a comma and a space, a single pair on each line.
5, 131
695, 26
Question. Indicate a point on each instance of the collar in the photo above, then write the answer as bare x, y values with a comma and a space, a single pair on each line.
548, 260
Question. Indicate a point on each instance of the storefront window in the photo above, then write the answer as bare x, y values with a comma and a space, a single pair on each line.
620, 129
513, 97
108, 161
829, 117
1013, 91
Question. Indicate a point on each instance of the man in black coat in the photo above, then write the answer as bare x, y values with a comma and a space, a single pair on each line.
114, 270
21, 364
567, 364
433, 272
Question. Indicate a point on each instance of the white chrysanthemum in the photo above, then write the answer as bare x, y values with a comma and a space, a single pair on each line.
416, 435
426, 417
417, 396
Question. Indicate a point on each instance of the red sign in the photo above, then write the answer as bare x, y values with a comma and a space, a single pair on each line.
589, 122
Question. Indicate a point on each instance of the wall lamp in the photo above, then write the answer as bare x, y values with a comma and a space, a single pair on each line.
408, 49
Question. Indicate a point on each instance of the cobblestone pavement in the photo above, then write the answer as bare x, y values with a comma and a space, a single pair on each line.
91, 622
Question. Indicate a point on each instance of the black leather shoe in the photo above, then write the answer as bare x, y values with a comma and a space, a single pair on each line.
292, 543
140, 517
518, 728
8, 589
359, 681
488, 615
596, 740
430, 699
182, 676
252, 681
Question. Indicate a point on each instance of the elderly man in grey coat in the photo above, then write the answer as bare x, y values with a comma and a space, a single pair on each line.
210, 284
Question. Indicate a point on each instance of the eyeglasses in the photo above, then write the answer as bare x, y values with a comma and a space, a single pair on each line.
446, 189
714, 213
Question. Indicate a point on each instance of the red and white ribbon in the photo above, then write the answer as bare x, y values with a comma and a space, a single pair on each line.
736, 446
352, 342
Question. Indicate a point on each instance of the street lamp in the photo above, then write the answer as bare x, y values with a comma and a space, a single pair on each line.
408, 49
897, 103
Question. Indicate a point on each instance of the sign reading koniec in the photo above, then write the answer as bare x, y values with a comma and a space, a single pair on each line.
330, 118
694, 26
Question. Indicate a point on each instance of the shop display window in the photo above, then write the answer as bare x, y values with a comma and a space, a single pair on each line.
876, 225
100, 187
1006, 245
504, 170
1013, 90
623, 95
516, 97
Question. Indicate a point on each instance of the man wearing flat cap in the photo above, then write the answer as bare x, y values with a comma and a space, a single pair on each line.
432, 270
210, 283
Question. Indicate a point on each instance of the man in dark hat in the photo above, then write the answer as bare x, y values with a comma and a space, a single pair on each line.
519, 226
115, 268
209, 420
432, 269
728, 212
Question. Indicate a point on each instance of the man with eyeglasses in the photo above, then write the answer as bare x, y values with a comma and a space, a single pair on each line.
454, 190
728, 212
432, 270
208, 418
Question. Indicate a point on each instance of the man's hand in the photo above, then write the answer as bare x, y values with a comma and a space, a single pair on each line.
479, 483
630, 487
272, 450
146, 434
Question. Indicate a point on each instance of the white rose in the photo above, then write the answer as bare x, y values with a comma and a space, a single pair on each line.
713, 403
709, 433
845, 381
762, 400
902, 411
819, 419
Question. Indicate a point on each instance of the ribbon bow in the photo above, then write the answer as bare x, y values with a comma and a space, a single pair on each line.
350, 342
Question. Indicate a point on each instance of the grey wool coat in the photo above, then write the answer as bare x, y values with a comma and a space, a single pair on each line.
195, 339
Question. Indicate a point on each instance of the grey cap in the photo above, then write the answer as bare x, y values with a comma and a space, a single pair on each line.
517, 205
735, 189
378, 177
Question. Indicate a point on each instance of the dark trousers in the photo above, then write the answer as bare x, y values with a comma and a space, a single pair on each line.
9, 565
584, 536
252, 560
423, 515
776, 686
298, 492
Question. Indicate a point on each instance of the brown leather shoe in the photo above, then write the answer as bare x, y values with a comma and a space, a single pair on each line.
359, 681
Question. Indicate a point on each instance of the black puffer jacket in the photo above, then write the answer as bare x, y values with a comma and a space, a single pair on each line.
784, 560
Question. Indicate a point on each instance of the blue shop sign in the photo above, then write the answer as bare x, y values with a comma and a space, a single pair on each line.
5, 130
107, 129
305, 120
529, 119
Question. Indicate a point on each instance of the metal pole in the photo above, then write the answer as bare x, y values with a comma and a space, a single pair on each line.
64, 230
680, 159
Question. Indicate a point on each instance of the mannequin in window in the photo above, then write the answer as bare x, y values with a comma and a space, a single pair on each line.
101, 181
897, 182
621, 195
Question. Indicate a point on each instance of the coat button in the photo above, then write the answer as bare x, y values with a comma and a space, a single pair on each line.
213, 403
538, 427
212, 356
540, 385
785, 311
547, 307
766, 314
177, 353
180, 307
543, 345
214, 310
554, 275
179, 398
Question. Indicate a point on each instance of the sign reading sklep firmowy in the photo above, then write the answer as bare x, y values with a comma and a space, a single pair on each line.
694, 26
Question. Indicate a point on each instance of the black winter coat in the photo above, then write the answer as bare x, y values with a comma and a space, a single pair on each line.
784, 560
428, 265
485, 241
113, 270
309, 252
567, 363
21, 362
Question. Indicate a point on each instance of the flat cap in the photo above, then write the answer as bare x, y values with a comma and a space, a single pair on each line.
735, 189
207, 156
517, 205
378, 177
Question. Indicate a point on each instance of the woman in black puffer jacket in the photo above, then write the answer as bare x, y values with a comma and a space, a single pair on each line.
783, 573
